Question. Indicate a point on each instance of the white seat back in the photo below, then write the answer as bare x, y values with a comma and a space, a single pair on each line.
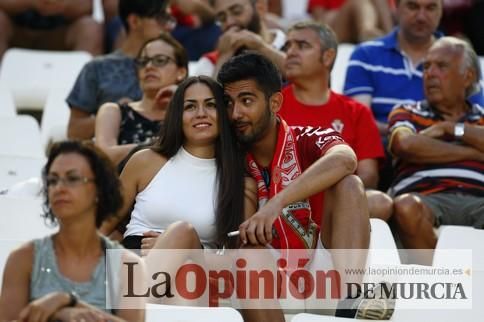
20, 136
31, 74
7, 104
338, 73
14, 169
55, 118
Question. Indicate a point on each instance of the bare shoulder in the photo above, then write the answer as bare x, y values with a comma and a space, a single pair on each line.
147, 157
21, 258
109, 107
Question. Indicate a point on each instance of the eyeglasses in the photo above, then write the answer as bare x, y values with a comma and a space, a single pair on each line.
69, 181
157, 61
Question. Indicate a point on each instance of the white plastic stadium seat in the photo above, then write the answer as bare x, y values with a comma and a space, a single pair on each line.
338, 73
157, 313
55, 118
7, 105
21, 219
20, 136
14, 169
31, 74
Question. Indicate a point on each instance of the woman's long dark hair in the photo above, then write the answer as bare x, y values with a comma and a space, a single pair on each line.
229, 157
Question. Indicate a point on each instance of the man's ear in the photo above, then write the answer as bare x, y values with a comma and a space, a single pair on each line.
470, 77
275, 102
134, 21
329, 57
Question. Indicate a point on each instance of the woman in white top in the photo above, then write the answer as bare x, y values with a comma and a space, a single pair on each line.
190, 187
162, 63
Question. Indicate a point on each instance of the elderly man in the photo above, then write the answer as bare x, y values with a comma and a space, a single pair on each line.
308, 100
243, 28
439, 148
395, 59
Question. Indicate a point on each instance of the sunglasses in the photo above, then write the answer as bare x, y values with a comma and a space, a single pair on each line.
157, 61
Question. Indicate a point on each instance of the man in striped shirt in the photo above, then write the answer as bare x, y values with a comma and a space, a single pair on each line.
439, 148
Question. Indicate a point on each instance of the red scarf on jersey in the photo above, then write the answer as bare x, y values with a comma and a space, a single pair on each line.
294, 227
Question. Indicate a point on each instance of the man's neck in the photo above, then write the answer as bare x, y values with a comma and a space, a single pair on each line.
131, 45
312, 91
416, 49
264, 149
453, 111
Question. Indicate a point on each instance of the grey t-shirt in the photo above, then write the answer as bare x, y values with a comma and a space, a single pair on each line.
106, 78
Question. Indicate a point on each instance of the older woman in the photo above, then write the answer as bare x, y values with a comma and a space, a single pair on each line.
162, 63
190, 186
63, 276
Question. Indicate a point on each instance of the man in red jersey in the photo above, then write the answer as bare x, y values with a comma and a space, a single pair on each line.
308, 100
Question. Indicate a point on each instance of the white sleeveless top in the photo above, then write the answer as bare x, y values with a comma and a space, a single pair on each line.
184, 189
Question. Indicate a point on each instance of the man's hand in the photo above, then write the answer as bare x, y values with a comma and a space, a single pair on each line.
226, 40
148, 241
438, 130
248, 39
257, 230
80, 314
164, 95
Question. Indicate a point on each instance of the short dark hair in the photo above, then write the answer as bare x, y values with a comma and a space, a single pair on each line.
105, 176
142, 8
229, 157
254, 66
181, 55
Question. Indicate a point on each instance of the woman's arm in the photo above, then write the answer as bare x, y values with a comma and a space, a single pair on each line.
250, 197
16, 282
108, 123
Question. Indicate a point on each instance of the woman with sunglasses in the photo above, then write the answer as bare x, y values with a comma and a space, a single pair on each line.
190, 186
63, 277
162, 63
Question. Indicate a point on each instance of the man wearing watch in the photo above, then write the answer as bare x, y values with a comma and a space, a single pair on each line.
439, 148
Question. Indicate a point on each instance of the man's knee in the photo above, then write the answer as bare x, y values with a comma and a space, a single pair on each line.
351, 186
380, 205
409, 212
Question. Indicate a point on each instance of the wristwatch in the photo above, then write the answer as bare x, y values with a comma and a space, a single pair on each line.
458, 130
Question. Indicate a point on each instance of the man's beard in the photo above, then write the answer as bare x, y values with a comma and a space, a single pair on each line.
260, 129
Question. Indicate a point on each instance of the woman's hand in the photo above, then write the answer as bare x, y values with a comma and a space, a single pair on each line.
43, 308
148, 241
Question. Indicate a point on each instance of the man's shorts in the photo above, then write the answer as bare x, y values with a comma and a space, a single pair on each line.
450, 208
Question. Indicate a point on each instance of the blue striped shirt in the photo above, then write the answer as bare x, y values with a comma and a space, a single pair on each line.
380, 69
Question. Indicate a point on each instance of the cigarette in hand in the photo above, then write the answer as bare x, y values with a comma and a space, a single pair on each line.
233, 233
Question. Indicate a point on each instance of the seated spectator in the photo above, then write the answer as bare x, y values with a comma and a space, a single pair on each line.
243, 28
311, 51
353, 21
195, 29
63, 277
196, 152
439, 148
112, 77
50, 25
120, 127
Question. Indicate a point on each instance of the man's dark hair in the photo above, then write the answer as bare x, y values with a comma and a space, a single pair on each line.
142, 8
105, 178
252, 66
229, 158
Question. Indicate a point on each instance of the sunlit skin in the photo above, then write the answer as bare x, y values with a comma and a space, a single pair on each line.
304, 54
72, 204
152, 77
418, 19
200, 120
443, 76
248, 110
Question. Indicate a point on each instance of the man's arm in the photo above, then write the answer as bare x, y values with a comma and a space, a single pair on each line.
338, 162
81, 125
420, 148
13, 7
367, 170
473, 134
